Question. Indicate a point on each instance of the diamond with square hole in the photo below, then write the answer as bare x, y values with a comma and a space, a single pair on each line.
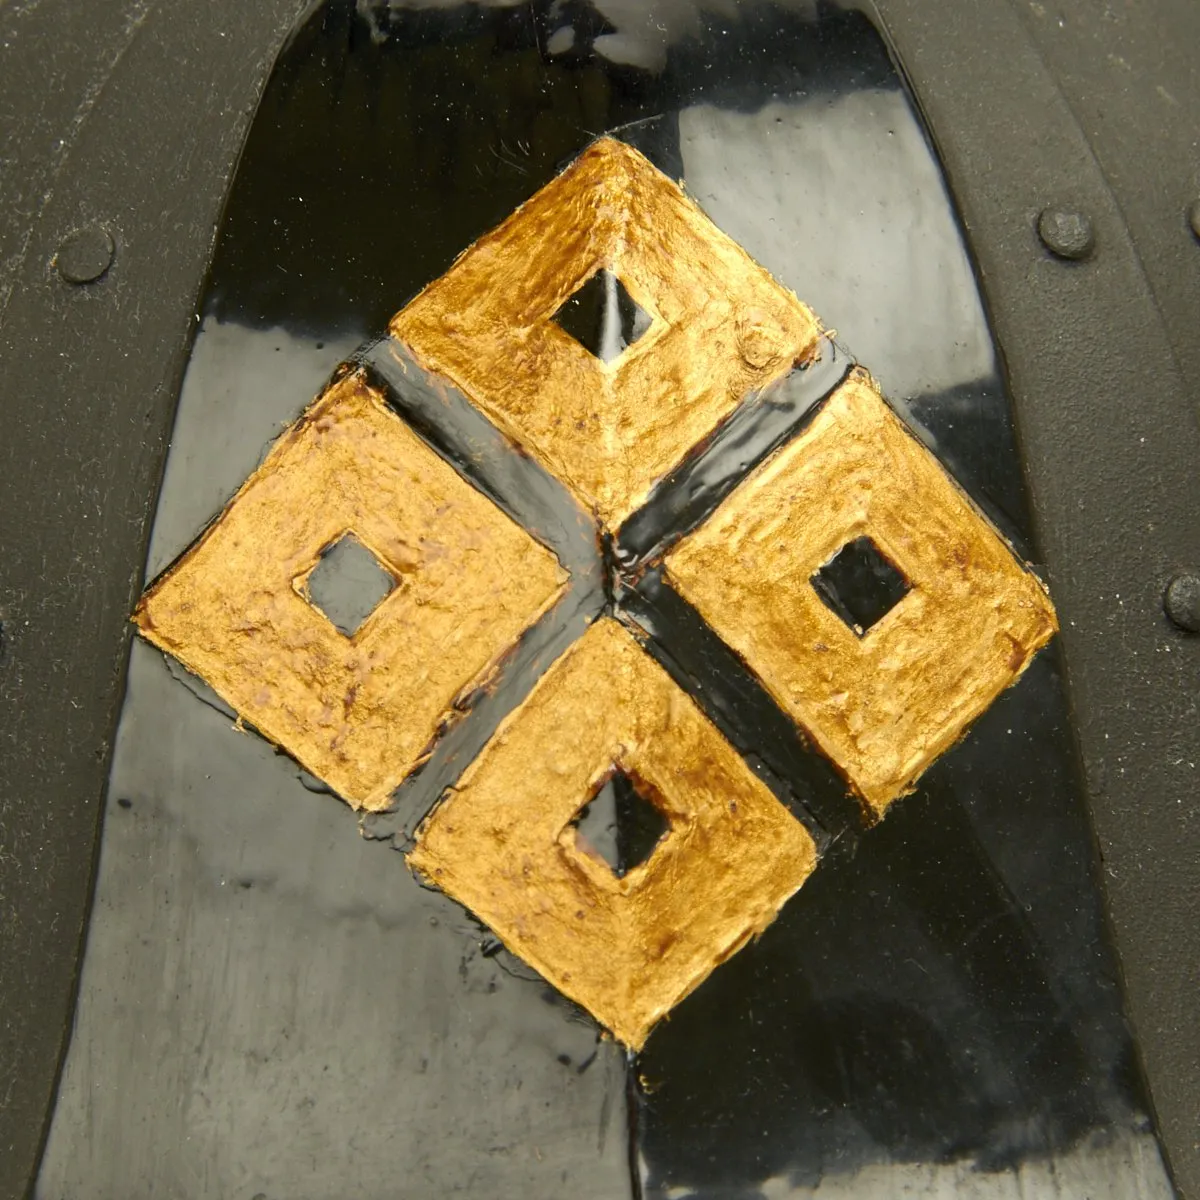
627, 948
619, 824
860, 584
348, 584
885, 704
721, 327
603, 317
358, 712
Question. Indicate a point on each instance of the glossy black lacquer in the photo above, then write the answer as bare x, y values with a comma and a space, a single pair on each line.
271, 1005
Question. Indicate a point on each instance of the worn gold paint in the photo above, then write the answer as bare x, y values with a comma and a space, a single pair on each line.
357, 712
722, 327
627, 949
883, 706
361, 712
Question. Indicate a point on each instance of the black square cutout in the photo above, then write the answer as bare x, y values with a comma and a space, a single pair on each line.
620, 824
860, 584
348, 584
603, 317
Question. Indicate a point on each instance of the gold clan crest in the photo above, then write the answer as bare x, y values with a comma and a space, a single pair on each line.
625, 429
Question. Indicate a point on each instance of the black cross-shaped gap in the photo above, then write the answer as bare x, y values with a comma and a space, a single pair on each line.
860, 584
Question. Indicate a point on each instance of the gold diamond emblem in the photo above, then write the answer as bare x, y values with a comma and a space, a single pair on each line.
720, 327
876, 605
358, 712
628, 949
883, 703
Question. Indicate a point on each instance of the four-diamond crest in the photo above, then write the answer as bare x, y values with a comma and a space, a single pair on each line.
874, 603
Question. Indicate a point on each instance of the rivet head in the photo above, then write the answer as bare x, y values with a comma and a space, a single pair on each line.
1066, 233
1193, 216
85, 254
1181, 601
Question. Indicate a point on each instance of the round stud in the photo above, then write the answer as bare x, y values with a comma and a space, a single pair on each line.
1066, 233
1193, 216
1181, 601
85, 254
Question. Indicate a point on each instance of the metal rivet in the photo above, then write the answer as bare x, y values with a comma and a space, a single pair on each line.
1193, 216
85, 254
1066, 233
1181, 601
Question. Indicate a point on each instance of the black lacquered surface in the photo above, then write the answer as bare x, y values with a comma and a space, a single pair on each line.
270, 1004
